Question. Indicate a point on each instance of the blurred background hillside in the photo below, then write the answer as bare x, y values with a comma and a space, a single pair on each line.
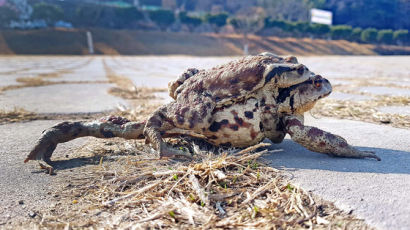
206, 27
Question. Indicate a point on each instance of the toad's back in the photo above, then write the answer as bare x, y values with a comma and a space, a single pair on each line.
226, 83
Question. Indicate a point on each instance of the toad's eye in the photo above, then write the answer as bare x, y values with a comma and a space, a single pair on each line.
317, 82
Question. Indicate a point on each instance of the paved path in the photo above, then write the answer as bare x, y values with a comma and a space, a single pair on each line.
65, 98
25, 182
376, 191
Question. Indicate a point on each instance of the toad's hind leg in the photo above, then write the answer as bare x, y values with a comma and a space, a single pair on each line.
177, 119
160, 125
107, 127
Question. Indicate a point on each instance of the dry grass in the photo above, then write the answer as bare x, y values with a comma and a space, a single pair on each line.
234, 189
140, 111
126, 88
16, 115
41, 79
365, 110
135, 93
37, 82
379, 81
21, 115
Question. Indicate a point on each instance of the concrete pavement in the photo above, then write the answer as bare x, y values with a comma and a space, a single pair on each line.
377, 191
24, 188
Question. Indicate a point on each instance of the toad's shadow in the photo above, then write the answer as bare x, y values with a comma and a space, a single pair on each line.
294, 156
75, 162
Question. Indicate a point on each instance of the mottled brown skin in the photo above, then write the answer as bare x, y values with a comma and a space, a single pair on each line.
237, 104
199, 94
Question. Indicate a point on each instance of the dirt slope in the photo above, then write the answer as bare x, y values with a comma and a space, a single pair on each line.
131, 42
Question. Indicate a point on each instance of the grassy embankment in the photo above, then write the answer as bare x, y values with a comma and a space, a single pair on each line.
131, 42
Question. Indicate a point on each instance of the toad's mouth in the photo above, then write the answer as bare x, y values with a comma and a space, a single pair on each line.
325, 95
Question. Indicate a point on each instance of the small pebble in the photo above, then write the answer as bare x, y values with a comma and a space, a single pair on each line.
21, 202
32, 214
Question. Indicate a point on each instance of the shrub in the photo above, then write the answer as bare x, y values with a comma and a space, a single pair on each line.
217, 19
401, 36
356, 34
246, 24
283, 25
125, 17
151, 2
319, 29
385, 36
7, 15
48, 12
128, 13
163, 18
301, 27
194, 21
369, 35
341, 32
235, 22
88, 15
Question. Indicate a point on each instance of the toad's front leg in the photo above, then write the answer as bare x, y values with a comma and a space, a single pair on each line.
321, 141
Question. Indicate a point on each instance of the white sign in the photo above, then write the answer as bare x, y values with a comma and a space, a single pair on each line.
321, 16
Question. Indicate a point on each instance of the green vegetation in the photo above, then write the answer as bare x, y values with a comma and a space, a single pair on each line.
341, 32
337, 32
281, 24
89, 15
48, 12
126, 17
283, 18
356, 34
151, 2
217, 19
163, 18
6, 16
106, 16
189, 20
401, 36
301, 27
319, 29
369, 35
385, 36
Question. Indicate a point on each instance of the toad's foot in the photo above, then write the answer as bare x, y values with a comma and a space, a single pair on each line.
355, 153
42, 153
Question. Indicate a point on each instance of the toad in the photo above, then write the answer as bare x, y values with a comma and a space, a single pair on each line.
237, 104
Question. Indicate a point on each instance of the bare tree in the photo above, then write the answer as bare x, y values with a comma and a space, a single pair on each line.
248, 21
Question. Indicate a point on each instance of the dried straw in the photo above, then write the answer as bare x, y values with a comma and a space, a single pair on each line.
234, 189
